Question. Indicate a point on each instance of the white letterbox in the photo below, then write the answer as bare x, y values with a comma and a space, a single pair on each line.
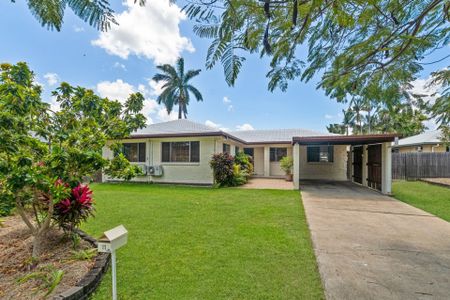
113, 239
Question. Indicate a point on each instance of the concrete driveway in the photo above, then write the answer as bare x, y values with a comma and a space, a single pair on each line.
370, 246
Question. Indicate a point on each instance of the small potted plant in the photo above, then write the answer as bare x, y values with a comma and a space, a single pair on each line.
286, 164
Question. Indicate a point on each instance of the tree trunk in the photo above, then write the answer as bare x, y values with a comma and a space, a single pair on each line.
179, 110
38, 240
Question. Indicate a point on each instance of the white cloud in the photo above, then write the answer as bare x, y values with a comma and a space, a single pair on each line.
78, 28
150, 31
420, 87
156, 87
163, 116
227, 102
52, 78
54, 105
244, 126
115, 90
119, 65
120, 90
328, 117
215, 125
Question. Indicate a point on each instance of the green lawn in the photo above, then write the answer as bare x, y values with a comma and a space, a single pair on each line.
203, 243
431, 198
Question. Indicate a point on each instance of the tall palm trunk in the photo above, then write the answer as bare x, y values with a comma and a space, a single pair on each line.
180, 109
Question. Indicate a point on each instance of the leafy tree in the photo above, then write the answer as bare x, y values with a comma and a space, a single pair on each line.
336, 128
45, 154
368, 49
176, 88
50, 13
441, 107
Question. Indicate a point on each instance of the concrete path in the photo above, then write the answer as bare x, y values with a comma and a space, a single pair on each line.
268, 183
370, 246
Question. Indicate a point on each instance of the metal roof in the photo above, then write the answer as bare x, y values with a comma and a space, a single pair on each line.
176, 126
429, 137
185, 128
274, 135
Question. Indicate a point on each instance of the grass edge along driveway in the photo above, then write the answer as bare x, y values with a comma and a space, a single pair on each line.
203, 243
428, 197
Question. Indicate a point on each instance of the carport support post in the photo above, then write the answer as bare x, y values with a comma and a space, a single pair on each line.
386, 168
296, 167
365, 167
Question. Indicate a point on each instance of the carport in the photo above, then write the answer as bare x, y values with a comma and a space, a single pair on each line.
362, 159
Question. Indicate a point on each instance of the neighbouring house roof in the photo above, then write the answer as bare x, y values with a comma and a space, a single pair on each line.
344, 139
429, 137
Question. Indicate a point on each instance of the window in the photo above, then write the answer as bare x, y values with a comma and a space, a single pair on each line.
134, 152
447, 149
236, 149
226, 148
276, 154
320, 153
180, 152
249, 151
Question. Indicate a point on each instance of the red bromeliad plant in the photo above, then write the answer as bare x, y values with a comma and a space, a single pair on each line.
71, 211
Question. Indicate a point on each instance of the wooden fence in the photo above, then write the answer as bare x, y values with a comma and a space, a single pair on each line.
420, 165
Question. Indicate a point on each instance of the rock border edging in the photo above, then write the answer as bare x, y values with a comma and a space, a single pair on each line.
89, 283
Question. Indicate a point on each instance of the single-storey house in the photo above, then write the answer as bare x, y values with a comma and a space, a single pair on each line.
179, 152
430, 141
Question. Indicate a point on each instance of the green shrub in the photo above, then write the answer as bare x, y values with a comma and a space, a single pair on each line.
286, 164
6, 203
222, 165
240, 176
245, 162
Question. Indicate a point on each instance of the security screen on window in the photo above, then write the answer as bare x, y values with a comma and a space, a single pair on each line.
276, 154
320, 153
134, 152
180, 152
226, 148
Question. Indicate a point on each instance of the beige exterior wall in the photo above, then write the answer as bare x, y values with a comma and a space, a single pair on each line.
258, 160
336, 170
275, 169
425, 148
191, 173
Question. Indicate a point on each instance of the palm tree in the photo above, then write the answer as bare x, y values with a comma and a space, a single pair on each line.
176, 88
357, 108
349, 117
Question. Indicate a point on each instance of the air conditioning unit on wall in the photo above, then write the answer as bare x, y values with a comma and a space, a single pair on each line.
155, 170
143, 169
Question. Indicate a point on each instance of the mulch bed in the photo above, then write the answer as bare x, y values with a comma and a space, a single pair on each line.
15, 262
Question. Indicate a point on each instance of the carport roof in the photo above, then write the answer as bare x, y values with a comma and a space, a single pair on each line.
344, 139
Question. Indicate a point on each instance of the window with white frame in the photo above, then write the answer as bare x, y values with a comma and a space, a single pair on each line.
180, 152
226, 148
322, 153
276, 154
134, 152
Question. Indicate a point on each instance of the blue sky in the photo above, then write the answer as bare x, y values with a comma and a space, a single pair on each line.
123, 60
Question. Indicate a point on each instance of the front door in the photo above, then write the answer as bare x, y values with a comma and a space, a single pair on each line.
374, 166
357, 164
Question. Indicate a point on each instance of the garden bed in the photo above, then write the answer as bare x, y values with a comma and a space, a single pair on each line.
58, 254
